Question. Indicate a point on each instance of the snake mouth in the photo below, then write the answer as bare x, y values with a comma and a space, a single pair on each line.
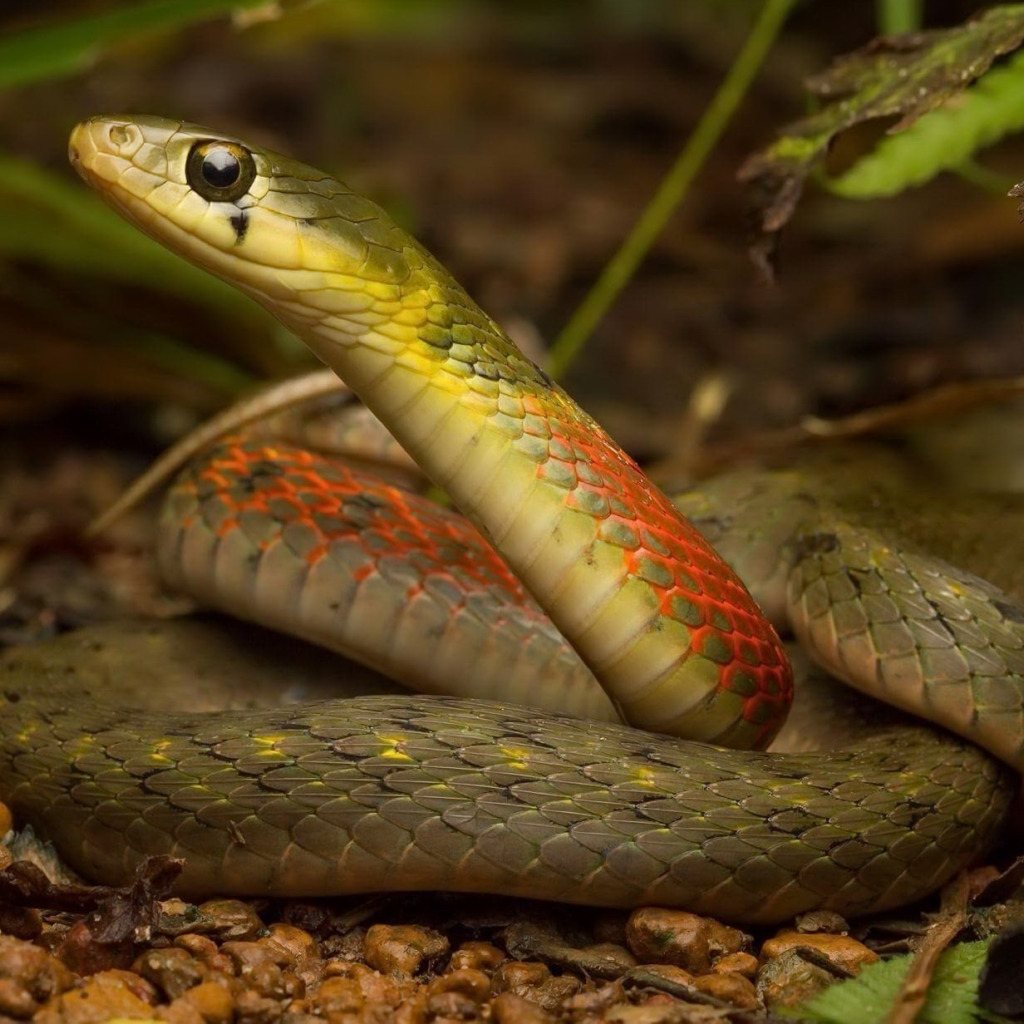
104, 151
78, 148
101, 148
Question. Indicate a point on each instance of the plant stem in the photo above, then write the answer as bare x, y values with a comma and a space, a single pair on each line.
980, 176
673, 188
895, 16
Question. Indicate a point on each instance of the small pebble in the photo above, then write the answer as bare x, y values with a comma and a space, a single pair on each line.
737, 963
841, 950
730, 988
405, 949
296, 943
338, 996
230, 920
593, 1003
373, 986
789, 980
480, 955
29, 976
521, 977
451, 1006
553, 993
82, 954
246, 956
213, 1002
656, 935
252, 1008
655, 1011
15, 1000
180, 1012
822, 921
347, 946
611, 953
467, 981
534, 981
357, 988
509, 1008
670, 972
101, 997
205, 950
172, 970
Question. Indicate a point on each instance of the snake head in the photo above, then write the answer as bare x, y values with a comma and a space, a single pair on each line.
299, 241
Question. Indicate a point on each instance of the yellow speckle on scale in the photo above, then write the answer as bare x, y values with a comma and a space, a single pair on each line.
269, 741
28, 732
82, 744
392, 747
157, 755
519, 757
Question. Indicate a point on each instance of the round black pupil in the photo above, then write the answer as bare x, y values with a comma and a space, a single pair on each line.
220, 168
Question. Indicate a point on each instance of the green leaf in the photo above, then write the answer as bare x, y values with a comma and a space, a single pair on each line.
74, 45
868, 998
942, 140
47, 219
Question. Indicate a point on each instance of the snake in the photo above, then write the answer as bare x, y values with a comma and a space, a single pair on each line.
592, 577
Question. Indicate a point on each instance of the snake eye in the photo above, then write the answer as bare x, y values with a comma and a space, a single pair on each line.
220, 171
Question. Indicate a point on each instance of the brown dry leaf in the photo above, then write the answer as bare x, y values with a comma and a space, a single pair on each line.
893, 76
118, 911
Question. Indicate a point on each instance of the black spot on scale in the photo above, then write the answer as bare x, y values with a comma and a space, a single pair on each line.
487, 370
815, 544
546, 377
1010, 612
855, 576
363, 510
367, 502
240, 222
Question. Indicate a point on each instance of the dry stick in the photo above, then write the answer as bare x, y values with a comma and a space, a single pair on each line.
941, 401
272, 400
951, 920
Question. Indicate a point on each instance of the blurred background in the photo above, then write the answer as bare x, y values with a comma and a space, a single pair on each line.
519, 141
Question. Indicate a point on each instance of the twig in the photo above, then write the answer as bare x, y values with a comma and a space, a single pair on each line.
952, 919
274, 399
621, 267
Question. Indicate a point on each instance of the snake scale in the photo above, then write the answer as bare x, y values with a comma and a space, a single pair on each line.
435, 792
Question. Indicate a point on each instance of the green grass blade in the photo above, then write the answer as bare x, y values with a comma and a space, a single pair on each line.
896, 16
48, 219
69, 46
673, 188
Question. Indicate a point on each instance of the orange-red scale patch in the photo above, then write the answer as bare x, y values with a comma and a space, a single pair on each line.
337, 502
731, 628
281, 481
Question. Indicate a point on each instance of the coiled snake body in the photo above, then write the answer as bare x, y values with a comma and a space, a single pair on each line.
392, 793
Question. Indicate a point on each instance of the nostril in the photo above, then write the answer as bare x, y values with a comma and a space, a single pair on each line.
120, 134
